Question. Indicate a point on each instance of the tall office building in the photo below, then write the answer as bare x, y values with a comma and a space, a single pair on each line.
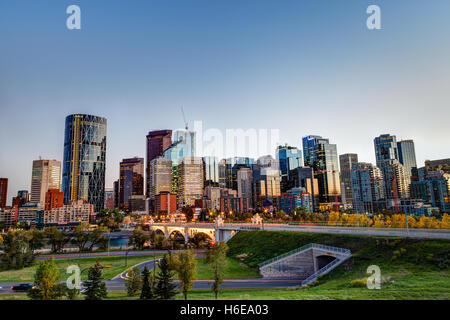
211, 171
407, 157
157, 143
131, 180
190, 181
394, 173
244, 183
346, 161
320, 155
266, 181
54, 199
289, 158
160, 177
46, 175
303, 177
3, 192
84, 160
116, 187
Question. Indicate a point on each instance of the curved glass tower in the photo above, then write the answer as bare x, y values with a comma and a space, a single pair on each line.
84, 160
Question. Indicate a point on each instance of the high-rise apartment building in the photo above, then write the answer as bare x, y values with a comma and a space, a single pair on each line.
84, 160
346, 161
46, 175
190, 181
368, 188
157, 143
131, 181
3, 191
394, 173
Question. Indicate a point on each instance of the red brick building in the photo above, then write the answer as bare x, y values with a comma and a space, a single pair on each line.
54, 199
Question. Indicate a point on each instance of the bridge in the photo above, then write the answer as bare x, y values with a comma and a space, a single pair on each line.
220, 231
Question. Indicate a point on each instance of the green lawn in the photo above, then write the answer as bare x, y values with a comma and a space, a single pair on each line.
117, 265
234, 270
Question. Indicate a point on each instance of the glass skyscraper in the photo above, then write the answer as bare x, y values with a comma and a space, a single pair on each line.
322, 156
84, 160
407, 155
157, 143
289, 158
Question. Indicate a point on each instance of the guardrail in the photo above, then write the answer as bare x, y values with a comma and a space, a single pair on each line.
308, 246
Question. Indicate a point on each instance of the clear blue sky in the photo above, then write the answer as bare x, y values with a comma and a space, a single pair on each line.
305, 67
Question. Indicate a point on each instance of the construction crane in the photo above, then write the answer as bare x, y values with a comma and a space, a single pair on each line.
184, 119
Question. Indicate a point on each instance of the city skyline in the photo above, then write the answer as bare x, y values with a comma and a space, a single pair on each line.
232, 65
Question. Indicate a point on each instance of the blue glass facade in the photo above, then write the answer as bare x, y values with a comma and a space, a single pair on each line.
84, 160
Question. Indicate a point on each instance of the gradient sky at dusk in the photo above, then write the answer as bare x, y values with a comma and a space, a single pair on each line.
305, 67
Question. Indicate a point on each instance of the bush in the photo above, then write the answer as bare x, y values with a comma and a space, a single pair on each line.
359, 283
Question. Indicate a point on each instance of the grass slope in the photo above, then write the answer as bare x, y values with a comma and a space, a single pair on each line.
419, 268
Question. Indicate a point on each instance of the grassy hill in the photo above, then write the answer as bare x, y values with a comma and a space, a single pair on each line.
411, 268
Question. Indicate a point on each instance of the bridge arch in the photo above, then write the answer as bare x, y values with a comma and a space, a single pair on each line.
177, 236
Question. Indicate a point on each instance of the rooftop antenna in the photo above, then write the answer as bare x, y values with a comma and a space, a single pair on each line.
184, 119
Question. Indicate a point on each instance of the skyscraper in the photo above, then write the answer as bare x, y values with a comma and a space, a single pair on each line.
394, 174
3, 191
244, 183
346, 161
46, 175
131, 180
157, 142
320, 155
211, 171
160, 177
407, 155
289, 159
84, 160
190, 181
367, 187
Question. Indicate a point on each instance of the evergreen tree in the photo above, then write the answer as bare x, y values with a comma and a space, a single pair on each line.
165, 289
95, 286
147, 292
134, 282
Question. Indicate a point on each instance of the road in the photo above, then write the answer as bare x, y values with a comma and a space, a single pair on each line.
118, 282
106, 254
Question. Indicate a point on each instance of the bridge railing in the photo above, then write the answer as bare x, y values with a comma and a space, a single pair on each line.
308, 246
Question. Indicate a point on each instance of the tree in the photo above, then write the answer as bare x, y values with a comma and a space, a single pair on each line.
165, 289
199, 239
95, 286
46, 285
217, 260
138, 239
147, 291
1, 240
81, 236
188, 212
35, 239
17, 252
110, 219
134, 281
185, 265
57, 239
